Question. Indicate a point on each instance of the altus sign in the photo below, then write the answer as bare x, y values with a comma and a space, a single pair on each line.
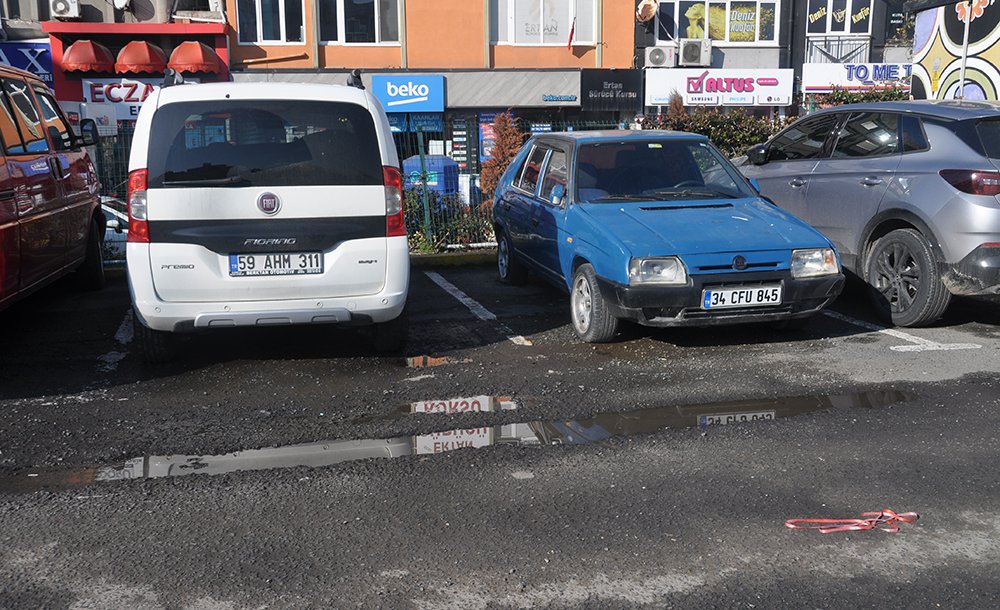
409, 92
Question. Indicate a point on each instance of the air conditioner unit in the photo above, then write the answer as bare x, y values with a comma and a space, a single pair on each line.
696, 52
661, 57
65, 9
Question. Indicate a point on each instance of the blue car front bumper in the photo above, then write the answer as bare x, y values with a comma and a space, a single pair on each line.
681, 305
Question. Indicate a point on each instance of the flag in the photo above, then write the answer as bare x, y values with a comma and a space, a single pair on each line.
572, 29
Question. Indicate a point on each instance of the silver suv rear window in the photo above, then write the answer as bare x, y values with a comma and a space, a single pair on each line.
251, 143
989, 134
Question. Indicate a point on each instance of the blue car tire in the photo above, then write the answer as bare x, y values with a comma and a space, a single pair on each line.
511, 271
592, 320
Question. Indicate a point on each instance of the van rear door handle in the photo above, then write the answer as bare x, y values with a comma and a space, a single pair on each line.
797, 182
871, 181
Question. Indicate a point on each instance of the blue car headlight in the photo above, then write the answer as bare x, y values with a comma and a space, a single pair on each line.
668, 270
814, 263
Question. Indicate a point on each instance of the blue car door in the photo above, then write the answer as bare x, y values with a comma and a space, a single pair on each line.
549, 215
522, 205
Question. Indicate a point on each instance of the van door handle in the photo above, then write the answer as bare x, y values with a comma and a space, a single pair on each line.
797, 182
871, 181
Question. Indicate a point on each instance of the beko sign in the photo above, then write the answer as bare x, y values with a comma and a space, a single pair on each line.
409, 92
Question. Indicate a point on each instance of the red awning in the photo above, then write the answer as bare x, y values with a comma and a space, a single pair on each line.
87, 56
141, 56
192, 56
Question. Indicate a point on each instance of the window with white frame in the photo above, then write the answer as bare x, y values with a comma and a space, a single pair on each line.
359, 21
542, 22
839, 18
732, 21
270, 21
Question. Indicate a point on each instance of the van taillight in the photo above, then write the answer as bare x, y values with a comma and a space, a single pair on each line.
394, 223
138, 225
972, 181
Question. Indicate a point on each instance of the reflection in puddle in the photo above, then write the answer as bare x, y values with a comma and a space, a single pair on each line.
572, 432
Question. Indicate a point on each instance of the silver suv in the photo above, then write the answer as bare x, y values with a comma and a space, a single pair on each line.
908, 192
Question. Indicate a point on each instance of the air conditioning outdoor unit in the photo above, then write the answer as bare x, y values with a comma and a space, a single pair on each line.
661, 57
65, 9
696, 52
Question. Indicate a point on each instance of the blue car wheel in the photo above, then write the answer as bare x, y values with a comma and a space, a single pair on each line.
591, 319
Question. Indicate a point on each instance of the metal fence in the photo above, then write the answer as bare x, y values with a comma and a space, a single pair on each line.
444, 206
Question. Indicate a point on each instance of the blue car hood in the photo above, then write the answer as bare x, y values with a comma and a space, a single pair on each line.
698, 227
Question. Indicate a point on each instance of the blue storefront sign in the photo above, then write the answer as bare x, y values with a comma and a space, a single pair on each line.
427, 121
35, 57
397, 122
409, 92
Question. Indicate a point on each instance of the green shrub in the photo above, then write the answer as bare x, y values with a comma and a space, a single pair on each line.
732, 132
452, 221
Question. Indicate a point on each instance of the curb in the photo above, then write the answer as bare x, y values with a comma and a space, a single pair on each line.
454, 259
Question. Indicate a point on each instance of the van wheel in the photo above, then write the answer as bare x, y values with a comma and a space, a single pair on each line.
510, 270
390, 337
90, 275
592, 320
904, 283
156, 346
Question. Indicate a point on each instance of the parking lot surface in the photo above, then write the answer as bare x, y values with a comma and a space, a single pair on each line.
603, 475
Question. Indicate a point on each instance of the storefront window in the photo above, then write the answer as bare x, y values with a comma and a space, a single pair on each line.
839, 17
543, 22
359, 21
274, 21
733, 21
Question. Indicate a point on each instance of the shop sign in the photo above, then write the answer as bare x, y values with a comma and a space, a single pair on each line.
409, 92
426, 121
722, 87
550, 97
35, 57
611, 90
397, 122
125, 94
486, 135
824, 77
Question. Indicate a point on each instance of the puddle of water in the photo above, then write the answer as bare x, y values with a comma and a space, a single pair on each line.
571, 432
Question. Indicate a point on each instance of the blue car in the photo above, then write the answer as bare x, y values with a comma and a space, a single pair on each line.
658, 228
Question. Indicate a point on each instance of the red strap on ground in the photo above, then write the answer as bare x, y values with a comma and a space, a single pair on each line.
886, 520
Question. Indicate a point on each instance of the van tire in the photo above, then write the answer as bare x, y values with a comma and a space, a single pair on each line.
390, 337
155, 346
90, 275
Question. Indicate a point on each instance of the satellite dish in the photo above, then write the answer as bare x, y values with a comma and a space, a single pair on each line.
121, 4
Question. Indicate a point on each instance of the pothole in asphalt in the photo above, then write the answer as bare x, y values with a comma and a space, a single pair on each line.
570, 432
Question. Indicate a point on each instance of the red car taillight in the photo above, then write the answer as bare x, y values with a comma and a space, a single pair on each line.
973, 182
138, 224
394, 223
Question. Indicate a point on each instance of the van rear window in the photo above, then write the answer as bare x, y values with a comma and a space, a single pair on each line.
249, 143
989, 134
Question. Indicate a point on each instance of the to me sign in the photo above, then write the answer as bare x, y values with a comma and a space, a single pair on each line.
823, 78
723, 87
409, 92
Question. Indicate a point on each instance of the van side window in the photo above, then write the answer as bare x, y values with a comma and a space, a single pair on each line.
62, 139
12, 144
26, 115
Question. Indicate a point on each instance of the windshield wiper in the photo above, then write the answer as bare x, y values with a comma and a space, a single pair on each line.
625, 198
207, 181
696, 193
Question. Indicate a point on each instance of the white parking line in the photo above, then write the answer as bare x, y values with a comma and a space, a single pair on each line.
918, 344
109, 361
477, 310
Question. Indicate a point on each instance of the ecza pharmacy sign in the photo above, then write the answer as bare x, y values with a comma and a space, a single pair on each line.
409, 92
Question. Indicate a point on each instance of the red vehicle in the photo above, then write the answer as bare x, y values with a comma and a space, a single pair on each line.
51, 222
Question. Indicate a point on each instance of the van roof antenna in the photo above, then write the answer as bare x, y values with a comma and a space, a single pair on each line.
354, 80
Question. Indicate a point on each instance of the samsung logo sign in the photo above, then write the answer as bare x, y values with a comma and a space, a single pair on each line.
409, 92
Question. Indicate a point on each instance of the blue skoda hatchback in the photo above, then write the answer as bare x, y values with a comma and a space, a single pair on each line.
658, 228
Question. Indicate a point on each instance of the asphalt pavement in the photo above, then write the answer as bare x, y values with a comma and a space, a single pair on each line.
603, 476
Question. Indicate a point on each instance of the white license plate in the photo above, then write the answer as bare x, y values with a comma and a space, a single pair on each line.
285, 263
718, 298
721, 419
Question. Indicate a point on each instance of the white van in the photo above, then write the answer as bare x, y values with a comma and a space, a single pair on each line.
264, 204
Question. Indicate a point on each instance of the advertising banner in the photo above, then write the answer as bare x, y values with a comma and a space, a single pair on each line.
824, 78
615, 90
409, 92
125, 94
720, 87
35, 57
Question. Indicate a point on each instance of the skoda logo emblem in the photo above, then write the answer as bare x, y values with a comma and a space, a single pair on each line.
268, 203
739, 263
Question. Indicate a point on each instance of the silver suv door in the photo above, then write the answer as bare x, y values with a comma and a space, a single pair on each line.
846, 188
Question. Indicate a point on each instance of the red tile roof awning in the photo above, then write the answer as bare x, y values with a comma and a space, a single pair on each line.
192, 56
141, 56
88, 56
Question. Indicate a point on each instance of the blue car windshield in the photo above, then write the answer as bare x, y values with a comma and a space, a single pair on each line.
655, 170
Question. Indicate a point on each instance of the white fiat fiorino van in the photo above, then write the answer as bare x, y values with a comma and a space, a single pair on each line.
264, 204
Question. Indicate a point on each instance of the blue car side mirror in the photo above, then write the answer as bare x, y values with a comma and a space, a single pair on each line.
558, 194
755, 184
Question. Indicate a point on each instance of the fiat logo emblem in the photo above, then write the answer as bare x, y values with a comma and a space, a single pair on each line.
269, 203
739, 263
